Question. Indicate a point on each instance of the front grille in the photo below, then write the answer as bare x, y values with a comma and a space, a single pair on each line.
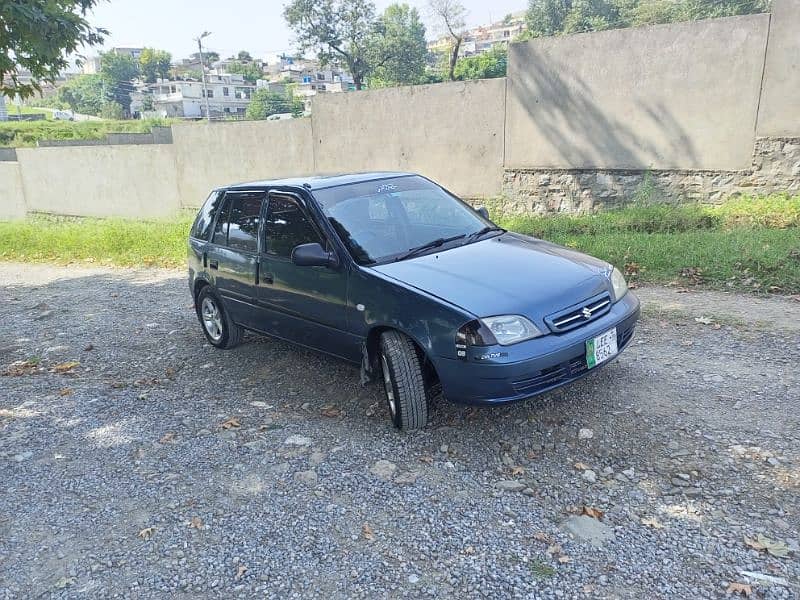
564, 372
579, 314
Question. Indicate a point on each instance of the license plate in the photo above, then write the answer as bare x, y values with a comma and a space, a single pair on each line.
599, 349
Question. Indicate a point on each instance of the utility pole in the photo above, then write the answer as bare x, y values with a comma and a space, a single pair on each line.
199, 41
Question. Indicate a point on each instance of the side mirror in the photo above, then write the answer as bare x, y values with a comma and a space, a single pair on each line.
313, 255
484, 212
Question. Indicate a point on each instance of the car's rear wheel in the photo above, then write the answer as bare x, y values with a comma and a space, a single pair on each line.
219, 329
403, 381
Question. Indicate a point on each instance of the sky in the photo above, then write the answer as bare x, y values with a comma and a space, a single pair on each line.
253, 25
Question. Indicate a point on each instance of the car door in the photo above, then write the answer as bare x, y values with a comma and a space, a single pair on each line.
305, 305
232, 255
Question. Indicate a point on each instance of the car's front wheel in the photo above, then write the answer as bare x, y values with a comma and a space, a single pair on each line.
403, 381
218, 327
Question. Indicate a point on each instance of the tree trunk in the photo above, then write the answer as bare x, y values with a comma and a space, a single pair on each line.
358, 81
454, 59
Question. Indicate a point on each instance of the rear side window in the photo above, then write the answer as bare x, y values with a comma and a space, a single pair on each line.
202, 224
221, 228
287, 226
243, 219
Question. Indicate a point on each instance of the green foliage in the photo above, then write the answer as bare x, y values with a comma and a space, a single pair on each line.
26, 133
106, 241
244, 56
209, 57
117, 71
38, 35
154, 64
483, 66
554, 17
750, 243
398, 49
265, 103
83, 94
250, 71
112, 111
339, 31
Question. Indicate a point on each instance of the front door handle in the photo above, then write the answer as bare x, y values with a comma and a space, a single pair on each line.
268, 278
214, 264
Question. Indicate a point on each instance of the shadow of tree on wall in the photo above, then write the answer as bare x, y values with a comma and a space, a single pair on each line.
563, 108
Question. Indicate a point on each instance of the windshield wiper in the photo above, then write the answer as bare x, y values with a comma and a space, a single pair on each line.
485, 230
427, 246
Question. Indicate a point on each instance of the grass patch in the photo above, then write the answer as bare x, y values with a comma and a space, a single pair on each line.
18, 134
104, 241
746, 244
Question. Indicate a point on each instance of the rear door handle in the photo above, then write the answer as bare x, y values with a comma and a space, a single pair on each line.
268, 278
214, 264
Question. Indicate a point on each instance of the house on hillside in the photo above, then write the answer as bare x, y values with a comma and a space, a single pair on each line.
228, 96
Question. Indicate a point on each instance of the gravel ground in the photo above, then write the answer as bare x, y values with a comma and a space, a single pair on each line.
159, 466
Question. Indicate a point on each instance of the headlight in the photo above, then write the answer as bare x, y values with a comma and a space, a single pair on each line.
510, 329
618, 283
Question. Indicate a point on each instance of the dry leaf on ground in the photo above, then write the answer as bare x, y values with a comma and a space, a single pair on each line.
652, 522
517, 470
772, 547
147, 533
595, 513
541, 536
740, 588
564, 559
65, 367
231, 423
167, 438
65, 392
581, 466
196, 522
240, 571
367, 532
330, 411
22, 367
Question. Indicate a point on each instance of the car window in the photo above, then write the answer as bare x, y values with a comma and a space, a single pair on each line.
202, 224
221, 228
243, 219
383, 219
287, 227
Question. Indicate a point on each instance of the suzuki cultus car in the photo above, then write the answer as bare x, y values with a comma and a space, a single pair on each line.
393, 272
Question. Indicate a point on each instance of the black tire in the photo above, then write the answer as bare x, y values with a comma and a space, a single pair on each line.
404, 384
223, 333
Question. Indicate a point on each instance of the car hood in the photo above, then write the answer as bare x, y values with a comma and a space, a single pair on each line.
507, 274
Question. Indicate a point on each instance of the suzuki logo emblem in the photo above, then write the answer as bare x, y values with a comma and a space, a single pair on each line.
587, 314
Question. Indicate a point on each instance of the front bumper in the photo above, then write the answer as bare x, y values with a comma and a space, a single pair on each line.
499, 374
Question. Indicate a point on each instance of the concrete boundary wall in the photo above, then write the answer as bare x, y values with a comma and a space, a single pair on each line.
450, 132
779, 112
101, 181
209, 155
681, 96
12, 197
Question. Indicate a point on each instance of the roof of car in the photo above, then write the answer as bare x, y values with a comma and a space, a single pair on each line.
317, 182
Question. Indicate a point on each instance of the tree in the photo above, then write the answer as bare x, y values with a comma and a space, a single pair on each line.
154, 64
339, 31
250, 71
264, 103
451, 16
83, 94
37, 36
244, 56
483, 66
398, 49
117, 71
209, 57
112, 111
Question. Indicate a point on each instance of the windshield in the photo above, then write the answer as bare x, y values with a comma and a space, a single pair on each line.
383, 220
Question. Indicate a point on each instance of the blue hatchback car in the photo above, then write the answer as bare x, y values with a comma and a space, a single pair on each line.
393, 272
